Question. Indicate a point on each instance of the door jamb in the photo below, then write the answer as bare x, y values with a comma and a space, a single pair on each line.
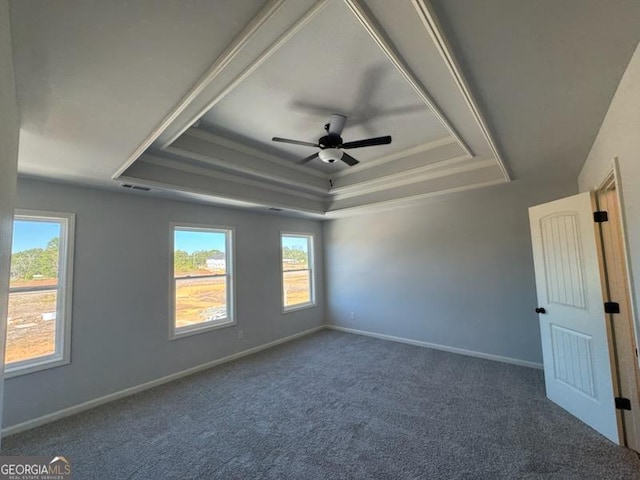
628, 421
613, 178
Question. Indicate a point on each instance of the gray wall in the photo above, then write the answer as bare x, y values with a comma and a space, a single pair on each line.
9, 133
456, 271
120, 301
619, 136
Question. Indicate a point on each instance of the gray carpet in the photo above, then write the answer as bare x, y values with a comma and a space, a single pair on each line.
336, 406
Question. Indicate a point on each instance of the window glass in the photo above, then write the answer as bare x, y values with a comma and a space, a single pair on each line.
297, 273
40, 279
201, 278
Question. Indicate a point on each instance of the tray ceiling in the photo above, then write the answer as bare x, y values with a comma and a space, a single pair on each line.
296, 63
108, 93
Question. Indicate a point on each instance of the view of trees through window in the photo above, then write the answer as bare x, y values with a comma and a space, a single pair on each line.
33, 294
185, 263
201, 277
296, 273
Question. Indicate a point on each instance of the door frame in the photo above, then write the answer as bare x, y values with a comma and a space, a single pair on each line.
623, 327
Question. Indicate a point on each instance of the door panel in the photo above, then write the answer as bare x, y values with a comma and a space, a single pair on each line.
562, 253
575, 340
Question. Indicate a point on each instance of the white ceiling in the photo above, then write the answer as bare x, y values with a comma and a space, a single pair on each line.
108, 90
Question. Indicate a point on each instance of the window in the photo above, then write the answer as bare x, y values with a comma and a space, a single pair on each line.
39, 315
202, 279
297, 271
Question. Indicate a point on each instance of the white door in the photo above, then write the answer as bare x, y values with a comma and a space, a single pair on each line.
573, 325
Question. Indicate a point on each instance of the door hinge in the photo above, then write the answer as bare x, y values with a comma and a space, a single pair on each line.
600, 216
623, 403
611, 307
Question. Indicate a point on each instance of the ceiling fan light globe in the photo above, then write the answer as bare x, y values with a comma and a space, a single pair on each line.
330, 155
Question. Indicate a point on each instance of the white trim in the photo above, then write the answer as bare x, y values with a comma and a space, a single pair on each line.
430, 21
320, 192
412, 175
273, 48
395, 58
298, 306
96, 402
223, 60
404, 201
36, 365
312, 270
239, 198
199, 328
64, 295
238, 147
176, 333
425, 147
436, 346
66, 412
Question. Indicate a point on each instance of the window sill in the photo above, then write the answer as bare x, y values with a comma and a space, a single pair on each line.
201, 328
35, 366
300, 306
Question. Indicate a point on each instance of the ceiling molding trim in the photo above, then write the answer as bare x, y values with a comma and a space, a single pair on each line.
405, 201
425, 147
238, 147
220, 199
223, 60
229, 166
274, 47
413, 176
386, 46
430, 21
206, 172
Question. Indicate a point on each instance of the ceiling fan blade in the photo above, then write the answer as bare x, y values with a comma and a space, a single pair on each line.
294, 142
349, 160
336, 124
308, 159
368, 142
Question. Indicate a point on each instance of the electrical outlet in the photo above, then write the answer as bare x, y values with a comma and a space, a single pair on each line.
240, 334
353, 315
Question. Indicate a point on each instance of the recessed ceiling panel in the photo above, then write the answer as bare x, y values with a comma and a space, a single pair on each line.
331, 65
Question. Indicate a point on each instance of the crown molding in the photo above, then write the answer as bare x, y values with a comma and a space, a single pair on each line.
239, 200
425, 147
274, 47
238, 147
429, 172
411, 176
394, 57
430, 21
160, 173
208, 172
404, 201
267, 12
215, 156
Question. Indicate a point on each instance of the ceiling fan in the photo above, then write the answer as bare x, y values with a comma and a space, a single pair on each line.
331, 146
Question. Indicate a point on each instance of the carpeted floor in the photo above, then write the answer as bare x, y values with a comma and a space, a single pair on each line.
336, 406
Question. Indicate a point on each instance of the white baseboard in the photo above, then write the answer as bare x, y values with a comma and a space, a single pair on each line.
461, 351
52, 417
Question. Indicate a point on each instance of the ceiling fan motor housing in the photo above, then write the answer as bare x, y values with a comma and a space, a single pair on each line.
330, 141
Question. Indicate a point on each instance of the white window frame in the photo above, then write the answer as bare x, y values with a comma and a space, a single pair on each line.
62, 354
312, 273
181, 332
